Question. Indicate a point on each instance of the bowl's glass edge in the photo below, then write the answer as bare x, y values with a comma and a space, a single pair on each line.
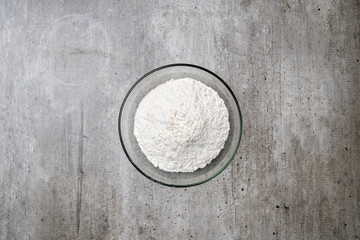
187, 65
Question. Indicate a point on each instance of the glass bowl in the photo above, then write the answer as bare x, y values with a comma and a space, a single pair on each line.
126, 125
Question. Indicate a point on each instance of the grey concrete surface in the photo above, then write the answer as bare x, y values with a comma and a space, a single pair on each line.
65, 67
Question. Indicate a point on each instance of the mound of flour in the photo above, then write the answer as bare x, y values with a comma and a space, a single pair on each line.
181, 125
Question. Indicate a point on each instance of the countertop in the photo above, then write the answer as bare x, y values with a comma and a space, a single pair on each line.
65, 67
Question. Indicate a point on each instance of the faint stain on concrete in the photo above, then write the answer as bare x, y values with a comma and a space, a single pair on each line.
74, 49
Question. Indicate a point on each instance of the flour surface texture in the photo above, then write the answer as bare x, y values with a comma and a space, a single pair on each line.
181, 125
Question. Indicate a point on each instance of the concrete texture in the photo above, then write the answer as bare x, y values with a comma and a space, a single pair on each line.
65, 67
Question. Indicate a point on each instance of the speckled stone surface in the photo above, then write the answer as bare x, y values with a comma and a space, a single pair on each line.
65, 67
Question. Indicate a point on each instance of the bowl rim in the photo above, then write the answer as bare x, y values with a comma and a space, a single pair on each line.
176, 65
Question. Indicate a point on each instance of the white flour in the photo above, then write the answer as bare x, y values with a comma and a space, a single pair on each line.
181, 125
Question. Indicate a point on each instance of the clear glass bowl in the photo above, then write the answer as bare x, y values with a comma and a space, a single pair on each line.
126, 125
